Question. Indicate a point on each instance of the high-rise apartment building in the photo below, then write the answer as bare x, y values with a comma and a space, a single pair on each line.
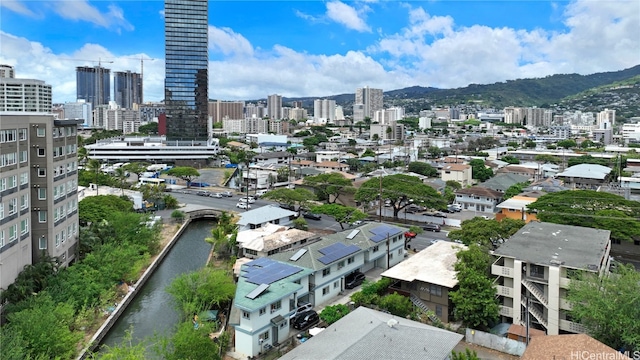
371, 101
93, 85
150, 112
219, 110
80, 110
514, 115
24, 95
127, 89
38, 186
274, 106
7, 71
324, 109
254, 111
186, 69
606, 115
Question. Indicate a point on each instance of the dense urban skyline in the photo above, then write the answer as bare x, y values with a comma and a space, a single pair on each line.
314, 48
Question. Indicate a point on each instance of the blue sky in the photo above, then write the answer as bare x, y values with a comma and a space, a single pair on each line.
321, 48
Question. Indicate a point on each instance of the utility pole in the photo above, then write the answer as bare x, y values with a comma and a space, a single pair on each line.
380, 200
388, 260
528, 320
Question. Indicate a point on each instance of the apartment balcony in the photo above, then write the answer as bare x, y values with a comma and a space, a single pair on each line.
565, 304
571, 326
506, 311
504, 291
564, 283
539, 315
536, 291
502, 271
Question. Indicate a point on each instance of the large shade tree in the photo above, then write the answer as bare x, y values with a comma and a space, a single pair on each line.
486, 232
296, 198
342, 214
594, 209
186, 173
400, 191
330, 186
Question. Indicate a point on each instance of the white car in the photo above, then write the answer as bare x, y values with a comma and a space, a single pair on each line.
357, 223
216, 195
243, 205
250, 200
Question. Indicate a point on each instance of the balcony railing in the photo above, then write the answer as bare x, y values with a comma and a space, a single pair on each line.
571, 326
504, 291
564, 283
506, 311
501, 271
565, 304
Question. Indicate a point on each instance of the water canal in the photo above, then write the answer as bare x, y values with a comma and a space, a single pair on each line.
152, 310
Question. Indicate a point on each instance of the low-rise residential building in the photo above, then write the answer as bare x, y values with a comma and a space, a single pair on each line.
516, 207
477, 198
331, 165
427, 278
585, 176
370, 334
570, 346
502, 182
271, 239
534, 267
460, 173
269, 214
518, 170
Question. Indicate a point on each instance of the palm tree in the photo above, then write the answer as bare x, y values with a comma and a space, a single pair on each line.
93, 165
83, 155
121, 176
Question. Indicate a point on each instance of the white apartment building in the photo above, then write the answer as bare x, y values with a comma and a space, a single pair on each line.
514, 115
534, 267
324, 110
24, 95
80, 110
7, 71
388, 116
269, 289
371, 101
606, 115
274, 106
631, 132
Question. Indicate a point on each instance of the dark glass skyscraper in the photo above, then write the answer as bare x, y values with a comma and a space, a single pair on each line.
93, 85
186, 68
127, 88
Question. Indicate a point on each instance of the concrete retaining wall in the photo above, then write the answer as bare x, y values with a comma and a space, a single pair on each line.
495, 342
111, 320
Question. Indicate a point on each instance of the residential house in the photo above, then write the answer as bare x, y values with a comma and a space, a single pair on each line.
519, 333
427, 278
516, 207
370, 334
327, 155
570, 346
502, 182
460, 173
585, 176
547, 185
270, 239
274, 157
238, 145
438, 184
331, 165
534, 267
479, 199
524, 171
269, 214
495, 165
266, 295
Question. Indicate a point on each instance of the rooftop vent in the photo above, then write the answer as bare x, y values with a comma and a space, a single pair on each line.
392, 322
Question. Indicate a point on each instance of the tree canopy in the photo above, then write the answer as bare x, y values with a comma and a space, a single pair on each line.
186, 173
485, 232
479, 171
594, 209
422, 168
400, 190
609, 306
292, 197
514, 190
342, 214
96, 208
201, 290
330, 186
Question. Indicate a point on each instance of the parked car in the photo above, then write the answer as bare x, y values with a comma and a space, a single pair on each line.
411, 209
410, 235
227, 194
243, 205
216, 195
312, 216
288, 207
454, 208
436, 214
302, 307
245, 199
203, 193
354, 279
432, 227
357, 223
306, 320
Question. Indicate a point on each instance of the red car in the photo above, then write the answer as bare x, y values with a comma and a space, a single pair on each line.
409, 235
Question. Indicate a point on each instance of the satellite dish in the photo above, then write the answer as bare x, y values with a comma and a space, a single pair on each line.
392, 322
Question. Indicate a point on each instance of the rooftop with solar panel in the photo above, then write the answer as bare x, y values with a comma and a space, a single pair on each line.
263, 281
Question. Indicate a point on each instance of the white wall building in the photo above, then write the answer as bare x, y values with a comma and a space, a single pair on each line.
80, 110
324, 109
24, 95
371, 101
274, 106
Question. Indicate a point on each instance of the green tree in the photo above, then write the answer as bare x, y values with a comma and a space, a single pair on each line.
422, 168
96, 208
200, 290
177, 215
352, 142
368, 152
93, 167
121, 177
126, 350
46, 328
475, 302
454, 185
300, 224
479, 171
587, 144
333, 313
608, 306
342, 214
514, 190
485, 232
510, 159
223, 241
466, 355
396, 304
298, 198
330, 186
292, 153
434, 152
567, 144
400, 190
185, 173
170, 202
137, 168
594, 209
190, 344
586, 159
544, 158
149, 129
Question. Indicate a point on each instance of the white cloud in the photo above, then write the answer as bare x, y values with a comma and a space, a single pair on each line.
17, 7
80, 10
228, 42
347, 16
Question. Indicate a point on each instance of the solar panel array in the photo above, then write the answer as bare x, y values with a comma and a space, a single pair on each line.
257, 291
267, 271
381, 232
298, 255
336, 251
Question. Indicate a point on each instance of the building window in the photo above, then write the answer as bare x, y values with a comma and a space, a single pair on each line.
1, 211
3, 184
42, 172
41, 152
13, 181
536, 271
13, 232
350, 260
246, 315
263, 311
40, 132
24, 178
376, 248
24, 201
399, 251
276, 306
24, 226
57, 240
336, 284
326, 271
435, 290
13, 206
1, 238
23, 156
438, 310
340, 264
42, 194
23, 134
264, 336
325, 290
42, 216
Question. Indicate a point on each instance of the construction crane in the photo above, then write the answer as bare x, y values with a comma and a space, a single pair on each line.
98, 88
100, 61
